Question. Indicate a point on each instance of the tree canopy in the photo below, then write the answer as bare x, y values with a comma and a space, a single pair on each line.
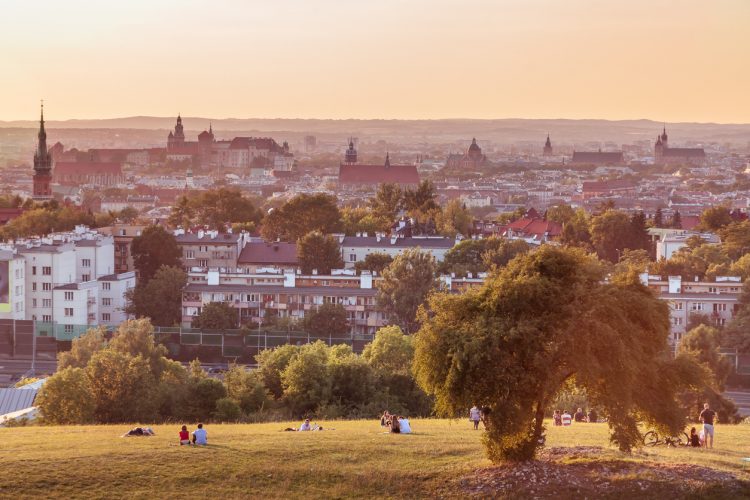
300, 215
318, 251
160, 298
216, 316
546, 319
154, 248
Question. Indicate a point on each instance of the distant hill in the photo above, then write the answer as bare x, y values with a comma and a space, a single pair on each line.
501, 130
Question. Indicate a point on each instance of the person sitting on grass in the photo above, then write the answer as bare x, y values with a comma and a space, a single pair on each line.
384, 419
403, 425
592, 417
566, 418
305, 425
184, 436
395, 425
579, 415
695, 439
557, 418
200, 437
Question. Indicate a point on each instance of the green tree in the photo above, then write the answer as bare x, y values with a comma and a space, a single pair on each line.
127, 215
327, 319
82, 349
391, 351
318, 251
227, 410
154, 248
352, 383
576, 231
202, 396
246, 388
216, 316
300, 215
66, 398
387, 201
361, 220
375, 262
122, 387
609, 234
735, 239
737, 332
160, 299
545, 319
454, 219
272, 363
421, 199
306, 380
406, 283
562, 214
715, 218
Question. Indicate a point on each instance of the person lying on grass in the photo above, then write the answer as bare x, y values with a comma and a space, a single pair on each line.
139, 431
306, 426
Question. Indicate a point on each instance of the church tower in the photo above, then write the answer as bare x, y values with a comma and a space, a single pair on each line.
177, 138
350, 157
548, 147
42, 165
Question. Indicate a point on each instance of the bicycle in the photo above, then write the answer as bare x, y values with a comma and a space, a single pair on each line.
652, 438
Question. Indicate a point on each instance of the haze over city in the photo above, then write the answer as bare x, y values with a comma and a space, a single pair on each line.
656, 59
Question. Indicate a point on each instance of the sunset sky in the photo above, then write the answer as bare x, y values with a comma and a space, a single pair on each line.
666, 60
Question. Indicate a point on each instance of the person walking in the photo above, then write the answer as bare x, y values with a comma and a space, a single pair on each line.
475, 415
708, 416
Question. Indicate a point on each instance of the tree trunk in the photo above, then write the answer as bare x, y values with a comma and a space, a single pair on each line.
539, 420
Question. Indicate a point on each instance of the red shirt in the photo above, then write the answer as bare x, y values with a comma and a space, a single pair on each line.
184, 435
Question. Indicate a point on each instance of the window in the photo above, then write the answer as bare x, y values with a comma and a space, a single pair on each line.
33, 287
677, 306
46, 287
720, 307
106, 285
33, 302
86, 262
68, 295
106, 301
46, 270
106, 317
712, 289
202, 262
677, 321
68, 328
68, 311
46, 302
352, 257
47, 318
189, 254
698, 306
33, 270
85, 277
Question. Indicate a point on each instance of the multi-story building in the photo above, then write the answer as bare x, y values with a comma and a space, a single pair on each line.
210, 249
95, 257
285, 294
263, 254
12, 285
357, 248
671, 242
719, 299
123, 235
47, 266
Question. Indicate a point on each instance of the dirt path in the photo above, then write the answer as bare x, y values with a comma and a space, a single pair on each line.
592, 472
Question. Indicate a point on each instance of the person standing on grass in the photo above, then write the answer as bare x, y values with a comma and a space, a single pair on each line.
707, 416
474, 416
557, 418
200, 436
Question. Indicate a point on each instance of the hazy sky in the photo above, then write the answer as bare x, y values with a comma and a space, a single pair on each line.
669, 60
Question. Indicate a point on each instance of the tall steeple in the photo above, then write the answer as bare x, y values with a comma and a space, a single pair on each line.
42, 189
387, 160
548, 147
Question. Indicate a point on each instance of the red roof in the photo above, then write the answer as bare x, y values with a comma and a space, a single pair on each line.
689, 222
87, 168
536, 227
604, 186
377, 174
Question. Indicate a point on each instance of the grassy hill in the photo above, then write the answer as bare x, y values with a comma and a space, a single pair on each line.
442, 458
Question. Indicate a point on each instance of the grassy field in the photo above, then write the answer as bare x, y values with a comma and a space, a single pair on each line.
258, 460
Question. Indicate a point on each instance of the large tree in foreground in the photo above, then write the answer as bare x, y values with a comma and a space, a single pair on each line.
545, 320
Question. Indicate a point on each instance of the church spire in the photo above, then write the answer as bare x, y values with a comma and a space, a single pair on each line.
42, 146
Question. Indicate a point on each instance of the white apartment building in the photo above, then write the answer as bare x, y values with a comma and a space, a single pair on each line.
95, 257
356, 248
47, 266
12, 285
719, 300
668, 244
112, 289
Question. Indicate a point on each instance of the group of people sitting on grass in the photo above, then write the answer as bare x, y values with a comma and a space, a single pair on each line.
306, 426
563, 418
200, 436
395, 424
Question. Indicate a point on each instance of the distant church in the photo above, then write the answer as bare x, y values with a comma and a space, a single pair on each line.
473, 158
42, 189
665, 155
355, 175
548, 147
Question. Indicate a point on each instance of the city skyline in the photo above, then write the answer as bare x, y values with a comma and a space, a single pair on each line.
393, 60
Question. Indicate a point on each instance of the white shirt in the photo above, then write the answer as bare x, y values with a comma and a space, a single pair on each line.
404, 426
201, 437
566, 418
474, 414
305, 426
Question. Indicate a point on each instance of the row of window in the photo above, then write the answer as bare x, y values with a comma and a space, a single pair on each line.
700, 306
